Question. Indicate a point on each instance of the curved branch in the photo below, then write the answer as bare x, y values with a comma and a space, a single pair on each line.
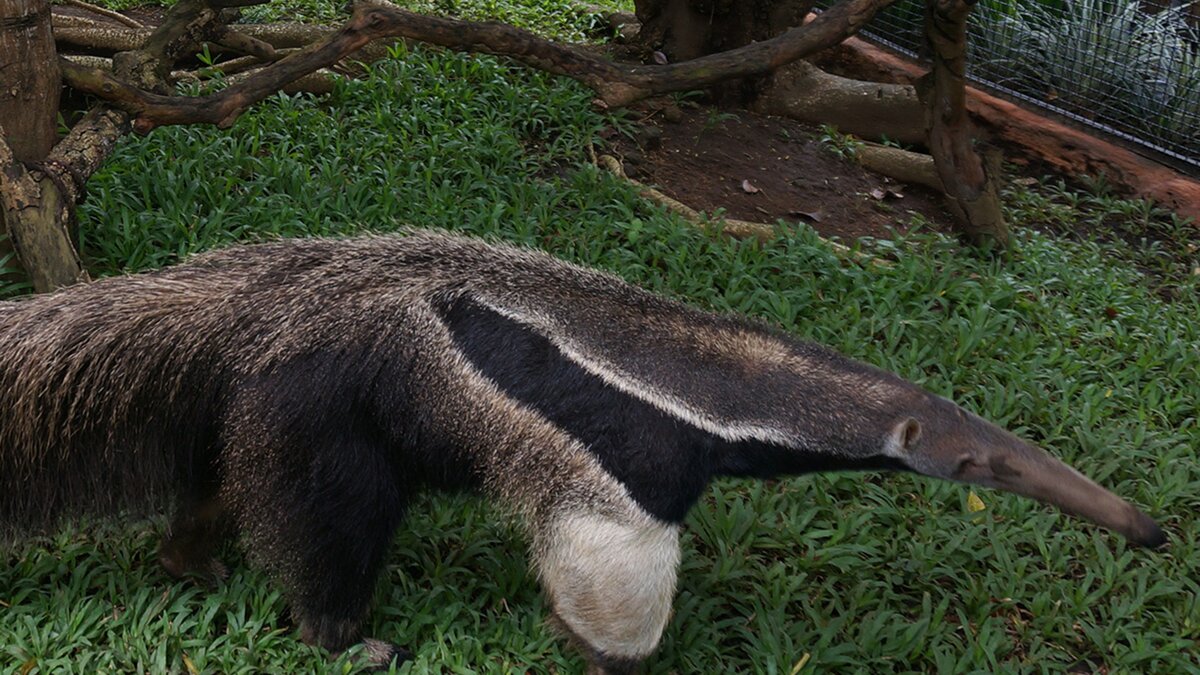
617, 84
243, 44
614, 83
222, 108
107, 13
72, 32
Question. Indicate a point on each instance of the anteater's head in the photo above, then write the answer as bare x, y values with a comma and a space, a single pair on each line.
932, 436
819, 410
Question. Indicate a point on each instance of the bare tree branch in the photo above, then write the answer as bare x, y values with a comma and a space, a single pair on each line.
92, 37
154, 110
615, 84
235, 66
107, 13
243, 44
101, 62
62, 20
618, 84
86, 147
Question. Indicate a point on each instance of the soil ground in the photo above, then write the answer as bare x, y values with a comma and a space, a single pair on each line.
763, 168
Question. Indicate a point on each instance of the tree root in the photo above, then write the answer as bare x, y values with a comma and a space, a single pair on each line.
868, 109
913, 168
738, 229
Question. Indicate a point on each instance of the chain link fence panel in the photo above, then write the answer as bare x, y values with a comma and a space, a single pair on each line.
1128, 68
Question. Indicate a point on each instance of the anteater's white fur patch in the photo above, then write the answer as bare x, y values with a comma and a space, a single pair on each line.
612, 583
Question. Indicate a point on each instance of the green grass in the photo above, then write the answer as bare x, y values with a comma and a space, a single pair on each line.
560, 19
1068, 343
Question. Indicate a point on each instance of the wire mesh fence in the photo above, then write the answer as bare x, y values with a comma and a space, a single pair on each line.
1127, 67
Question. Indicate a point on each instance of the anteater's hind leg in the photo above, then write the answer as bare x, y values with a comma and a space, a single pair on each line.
318, 505
198, 527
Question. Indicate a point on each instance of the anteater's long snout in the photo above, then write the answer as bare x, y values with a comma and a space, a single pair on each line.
1027, 470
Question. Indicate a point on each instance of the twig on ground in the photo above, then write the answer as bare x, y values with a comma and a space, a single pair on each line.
738, 229
115, 16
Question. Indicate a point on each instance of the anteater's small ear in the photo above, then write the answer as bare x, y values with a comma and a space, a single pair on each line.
904, 435
912, 432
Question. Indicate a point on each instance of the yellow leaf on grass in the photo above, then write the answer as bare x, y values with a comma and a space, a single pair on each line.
191, 667
800, 664
974, 503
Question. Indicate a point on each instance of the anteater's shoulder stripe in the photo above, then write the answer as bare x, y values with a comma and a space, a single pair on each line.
613, 375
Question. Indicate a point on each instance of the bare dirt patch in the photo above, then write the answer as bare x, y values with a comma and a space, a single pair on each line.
763, 168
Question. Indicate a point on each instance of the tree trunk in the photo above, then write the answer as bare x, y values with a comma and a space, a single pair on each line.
29, 90
29, 78
970, 183
37, 212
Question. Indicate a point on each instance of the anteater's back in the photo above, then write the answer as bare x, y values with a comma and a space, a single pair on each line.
111, 391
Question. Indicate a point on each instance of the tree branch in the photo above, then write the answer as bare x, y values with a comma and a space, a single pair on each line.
222, 108
618, 84
93, 138
107, 13
92, 37
243, 44
615, 84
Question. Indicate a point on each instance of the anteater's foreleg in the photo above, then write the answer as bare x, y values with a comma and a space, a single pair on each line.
611, 582
317, 498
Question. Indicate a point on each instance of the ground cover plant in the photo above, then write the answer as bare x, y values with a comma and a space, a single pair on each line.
1107, 60
1069, 343
1134, 67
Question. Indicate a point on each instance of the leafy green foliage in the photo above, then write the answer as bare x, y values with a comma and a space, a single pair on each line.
1065, 343
841, 144
1107, 59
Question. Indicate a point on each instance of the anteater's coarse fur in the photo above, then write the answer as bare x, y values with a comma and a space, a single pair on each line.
299, 393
